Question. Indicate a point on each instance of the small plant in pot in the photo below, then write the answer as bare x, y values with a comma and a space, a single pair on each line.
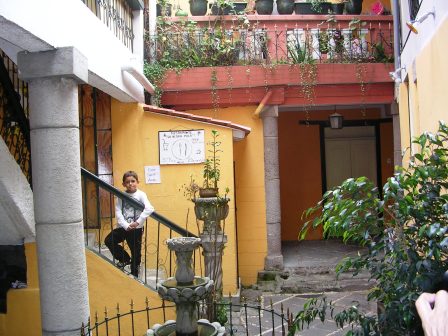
312, 7
212, 172
222, 7
337, 6
163, 8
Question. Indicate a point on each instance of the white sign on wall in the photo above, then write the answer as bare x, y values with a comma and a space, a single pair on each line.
181, 147
152, 174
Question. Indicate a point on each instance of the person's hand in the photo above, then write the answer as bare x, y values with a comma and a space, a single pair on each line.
433, 311
132, 226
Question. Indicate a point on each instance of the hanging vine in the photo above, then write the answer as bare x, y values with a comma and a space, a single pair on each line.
308, 81
361, 75
214, 91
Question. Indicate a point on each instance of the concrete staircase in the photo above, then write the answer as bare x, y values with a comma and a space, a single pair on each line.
150, 275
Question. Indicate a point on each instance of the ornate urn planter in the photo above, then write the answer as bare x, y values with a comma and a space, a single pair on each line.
211, 210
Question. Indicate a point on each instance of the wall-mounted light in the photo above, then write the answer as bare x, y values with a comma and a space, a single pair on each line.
413, 24
396, 75
336, 120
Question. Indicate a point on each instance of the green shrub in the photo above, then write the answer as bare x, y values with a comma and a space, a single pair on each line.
404, 232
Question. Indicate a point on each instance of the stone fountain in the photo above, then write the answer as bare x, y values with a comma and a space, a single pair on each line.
185, 290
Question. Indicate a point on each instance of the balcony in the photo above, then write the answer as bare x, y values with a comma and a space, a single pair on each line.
240, 58
117, 16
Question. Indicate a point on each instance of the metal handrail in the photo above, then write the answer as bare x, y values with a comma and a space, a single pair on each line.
14, 123
156, 216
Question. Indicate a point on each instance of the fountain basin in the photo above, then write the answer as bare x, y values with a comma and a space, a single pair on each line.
188, 293
197, 281
183, 244
205, 328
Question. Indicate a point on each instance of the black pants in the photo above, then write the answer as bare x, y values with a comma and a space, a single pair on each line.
133, 239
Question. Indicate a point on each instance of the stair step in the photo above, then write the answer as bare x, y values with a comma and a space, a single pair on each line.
318, 279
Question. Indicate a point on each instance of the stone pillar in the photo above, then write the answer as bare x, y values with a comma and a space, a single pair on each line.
274, 258
53, 78
398, 155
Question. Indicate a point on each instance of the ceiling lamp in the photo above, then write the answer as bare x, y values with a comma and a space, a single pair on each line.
336, 120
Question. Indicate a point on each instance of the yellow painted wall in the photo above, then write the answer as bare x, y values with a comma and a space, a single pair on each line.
23, 304
427, 96
135, 145
300, 165
107, 287
250, 192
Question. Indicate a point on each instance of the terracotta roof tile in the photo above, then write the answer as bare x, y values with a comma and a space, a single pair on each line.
193, 117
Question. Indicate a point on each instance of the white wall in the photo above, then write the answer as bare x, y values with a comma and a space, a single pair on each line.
45, 24
16, 202
416, 42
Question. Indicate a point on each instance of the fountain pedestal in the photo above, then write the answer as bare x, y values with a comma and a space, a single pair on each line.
185, 290
212, 211
212, 250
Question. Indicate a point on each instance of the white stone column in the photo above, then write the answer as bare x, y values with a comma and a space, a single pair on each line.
274, 258
53, 78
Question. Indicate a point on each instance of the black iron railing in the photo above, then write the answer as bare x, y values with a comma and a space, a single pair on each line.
414, 7
238, 319
99, 212
117, 16
14, 112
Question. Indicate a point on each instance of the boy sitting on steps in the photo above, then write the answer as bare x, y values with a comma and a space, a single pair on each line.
130, 222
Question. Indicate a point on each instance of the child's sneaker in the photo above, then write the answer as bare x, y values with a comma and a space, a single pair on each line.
18, 284
122, 264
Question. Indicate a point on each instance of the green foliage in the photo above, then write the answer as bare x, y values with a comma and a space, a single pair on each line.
299, 54
155, 73
212, 172
405, 234
316, 5
221, 312
190, 189
181, 45
379, 54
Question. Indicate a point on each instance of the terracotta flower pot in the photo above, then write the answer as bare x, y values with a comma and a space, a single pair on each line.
264, 7
285, 7
353, 7
208, 192
198, 7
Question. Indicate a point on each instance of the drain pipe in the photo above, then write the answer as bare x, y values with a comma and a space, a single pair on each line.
397, 33
140, 77
262, 104
397, 64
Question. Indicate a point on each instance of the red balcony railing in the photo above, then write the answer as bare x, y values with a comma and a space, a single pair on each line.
270, 39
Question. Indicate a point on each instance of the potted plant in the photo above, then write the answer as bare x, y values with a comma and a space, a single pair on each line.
264, 7
312, 7
285, 6
209, 206
198, 7
239, 6
353, 7
222, 7
337, 6
163, 8
211, 172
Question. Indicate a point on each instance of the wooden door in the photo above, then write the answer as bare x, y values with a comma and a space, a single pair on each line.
350, 153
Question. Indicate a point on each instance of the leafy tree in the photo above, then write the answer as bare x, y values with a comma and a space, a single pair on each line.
404, 233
